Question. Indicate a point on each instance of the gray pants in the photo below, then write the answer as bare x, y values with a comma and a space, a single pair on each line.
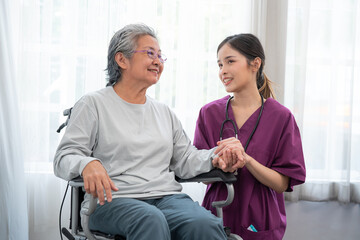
171, 217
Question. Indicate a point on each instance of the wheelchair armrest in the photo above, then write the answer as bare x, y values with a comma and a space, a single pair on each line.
77, 183
215, 175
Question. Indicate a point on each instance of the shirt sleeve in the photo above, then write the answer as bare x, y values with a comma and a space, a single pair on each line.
289, 158
200, 137
187, 161
75, 149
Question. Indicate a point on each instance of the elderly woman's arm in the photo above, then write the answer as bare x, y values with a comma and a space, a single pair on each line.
73, 156
188, 161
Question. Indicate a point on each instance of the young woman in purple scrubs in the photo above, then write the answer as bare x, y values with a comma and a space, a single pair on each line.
267, 141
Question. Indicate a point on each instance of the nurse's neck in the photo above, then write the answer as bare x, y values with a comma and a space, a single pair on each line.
246, 99
130, 92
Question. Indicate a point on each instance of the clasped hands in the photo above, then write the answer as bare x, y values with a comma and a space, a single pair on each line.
230, 155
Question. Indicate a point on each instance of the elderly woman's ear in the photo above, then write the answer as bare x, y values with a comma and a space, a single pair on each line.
121, 60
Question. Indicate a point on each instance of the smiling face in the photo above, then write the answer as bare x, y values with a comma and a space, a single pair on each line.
234, 70
140, 67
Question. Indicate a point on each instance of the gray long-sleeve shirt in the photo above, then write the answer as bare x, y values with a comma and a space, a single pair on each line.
142, 146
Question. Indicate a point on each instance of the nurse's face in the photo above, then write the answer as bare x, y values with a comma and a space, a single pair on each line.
144, 68
234, 71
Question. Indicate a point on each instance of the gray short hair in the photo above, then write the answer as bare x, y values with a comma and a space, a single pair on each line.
124, 41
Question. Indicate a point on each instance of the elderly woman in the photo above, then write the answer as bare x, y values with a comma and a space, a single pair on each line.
129, 147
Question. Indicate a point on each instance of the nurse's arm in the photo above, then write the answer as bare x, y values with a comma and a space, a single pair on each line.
270, 178
267, 176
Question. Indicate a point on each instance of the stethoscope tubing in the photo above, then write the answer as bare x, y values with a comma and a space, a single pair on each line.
227, 119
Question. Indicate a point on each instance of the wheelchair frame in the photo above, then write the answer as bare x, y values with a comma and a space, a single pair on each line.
77, 184
216, 175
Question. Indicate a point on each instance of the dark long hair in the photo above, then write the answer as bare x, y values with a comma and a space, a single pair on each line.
249, 45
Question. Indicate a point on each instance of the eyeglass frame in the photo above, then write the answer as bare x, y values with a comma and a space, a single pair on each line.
162, 57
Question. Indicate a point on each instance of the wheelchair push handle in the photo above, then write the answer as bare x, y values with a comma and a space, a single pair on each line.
66, 112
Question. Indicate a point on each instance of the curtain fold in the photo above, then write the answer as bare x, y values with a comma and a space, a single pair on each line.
322, 79
13, 206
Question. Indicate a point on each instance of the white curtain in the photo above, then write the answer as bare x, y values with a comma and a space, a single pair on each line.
322, 88
13, 208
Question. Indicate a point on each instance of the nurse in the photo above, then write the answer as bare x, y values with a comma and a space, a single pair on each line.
260, 132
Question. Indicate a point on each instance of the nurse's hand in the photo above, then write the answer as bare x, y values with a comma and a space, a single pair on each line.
231, 154
96, 181
219, 162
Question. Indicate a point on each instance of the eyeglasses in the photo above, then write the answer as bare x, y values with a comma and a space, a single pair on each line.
153, 55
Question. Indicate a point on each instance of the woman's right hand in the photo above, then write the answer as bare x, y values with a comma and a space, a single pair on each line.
96, 180
231, 155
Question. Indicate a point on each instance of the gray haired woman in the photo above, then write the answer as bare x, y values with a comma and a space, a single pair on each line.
129, 147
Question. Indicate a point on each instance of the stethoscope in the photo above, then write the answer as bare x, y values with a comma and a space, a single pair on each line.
227, 119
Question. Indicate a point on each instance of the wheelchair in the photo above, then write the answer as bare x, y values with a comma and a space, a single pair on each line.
79, 229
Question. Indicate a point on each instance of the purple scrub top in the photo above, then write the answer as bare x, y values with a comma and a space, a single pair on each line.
276, 144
